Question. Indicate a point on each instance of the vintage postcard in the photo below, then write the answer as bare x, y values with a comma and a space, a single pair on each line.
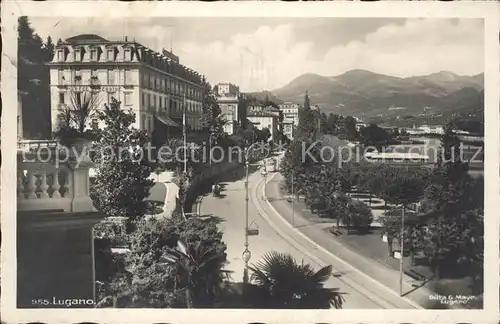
250, 162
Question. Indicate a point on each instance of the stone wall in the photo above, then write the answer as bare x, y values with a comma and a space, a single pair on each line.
197, 184
55, 264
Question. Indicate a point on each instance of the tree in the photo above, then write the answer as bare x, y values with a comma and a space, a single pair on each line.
403, 187
75, 118
123, 169
307, 121
33, 78
211, 111
307, 104
158, 265
288, 284
350, 130
49, 48
192, 264
375, 136
359, 214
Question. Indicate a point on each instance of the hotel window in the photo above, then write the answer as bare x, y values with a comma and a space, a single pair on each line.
93, 73
110, 54
111, 77
111, 95
146, 101
127, 98
144, 122
60, 76
60, 55
151, 82
94, 54
127, 77
61, 97
145, 80
143, 100
77, 76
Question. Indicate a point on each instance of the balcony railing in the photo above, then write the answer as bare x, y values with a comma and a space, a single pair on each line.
52, 182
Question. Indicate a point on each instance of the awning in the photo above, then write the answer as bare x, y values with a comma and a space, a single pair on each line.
167, 121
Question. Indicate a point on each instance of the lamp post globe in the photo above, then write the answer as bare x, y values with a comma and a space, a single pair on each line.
247, 255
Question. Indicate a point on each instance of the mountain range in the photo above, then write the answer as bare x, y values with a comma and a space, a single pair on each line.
367, 94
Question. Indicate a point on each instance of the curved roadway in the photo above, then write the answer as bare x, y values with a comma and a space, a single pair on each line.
360, 291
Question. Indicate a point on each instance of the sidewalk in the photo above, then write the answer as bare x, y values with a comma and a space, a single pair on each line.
318, 233
166, 191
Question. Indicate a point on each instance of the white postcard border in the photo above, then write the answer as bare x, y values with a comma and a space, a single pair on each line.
109, 9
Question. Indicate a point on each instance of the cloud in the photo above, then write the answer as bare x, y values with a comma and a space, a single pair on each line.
269, 56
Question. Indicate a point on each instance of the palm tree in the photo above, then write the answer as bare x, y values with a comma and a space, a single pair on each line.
198, 272
288, 284
76, 118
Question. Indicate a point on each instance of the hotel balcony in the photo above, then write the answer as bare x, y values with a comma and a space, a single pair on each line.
55, 219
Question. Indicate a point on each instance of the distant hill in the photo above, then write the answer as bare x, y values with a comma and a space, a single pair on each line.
261, 96
367, 94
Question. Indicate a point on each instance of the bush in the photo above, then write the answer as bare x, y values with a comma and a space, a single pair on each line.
360, 215
113, 230
150, 281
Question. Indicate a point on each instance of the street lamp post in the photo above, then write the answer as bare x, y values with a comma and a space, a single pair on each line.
246, 252
210, 148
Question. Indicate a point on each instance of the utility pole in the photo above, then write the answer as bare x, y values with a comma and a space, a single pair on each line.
402, 251
293, 202
184, 134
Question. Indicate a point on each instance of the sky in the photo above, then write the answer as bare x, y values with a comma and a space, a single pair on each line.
268, 53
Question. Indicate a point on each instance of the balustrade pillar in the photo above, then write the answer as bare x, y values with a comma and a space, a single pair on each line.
55, 185
44, 186
20, 185
31, 185
80, 189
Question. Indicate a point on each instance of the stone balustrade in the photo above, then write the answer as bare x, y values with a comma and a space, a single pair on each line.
44, 184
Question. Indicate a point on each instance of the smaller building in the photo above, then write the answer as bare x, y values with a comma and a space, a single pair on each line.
290, 112
432, 129
289, 129
265, 119
255, 107
396, 158
232, 104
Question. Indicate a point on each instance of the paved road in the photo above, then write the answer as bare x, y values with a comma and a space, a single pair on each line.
360, 291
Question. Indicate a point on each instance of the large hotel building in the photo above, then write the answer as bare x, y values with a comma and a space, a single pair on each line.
154, 85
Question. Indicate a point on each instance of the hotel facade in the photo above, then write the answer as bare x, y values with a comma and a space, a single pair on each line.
155, 86
232, 104
290, 118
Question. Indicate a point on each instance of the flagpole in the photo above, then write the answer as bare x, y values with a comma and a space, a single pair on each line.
184, 132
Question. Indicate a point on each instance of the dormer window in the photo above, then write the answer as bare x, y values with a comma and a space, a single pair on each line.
128, 54
61, 55
79, 52
110, 54
94, 54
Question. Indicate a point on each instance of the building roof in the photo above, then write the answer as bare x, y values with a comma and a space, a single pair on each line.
86, 38
396, 155
262, 114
